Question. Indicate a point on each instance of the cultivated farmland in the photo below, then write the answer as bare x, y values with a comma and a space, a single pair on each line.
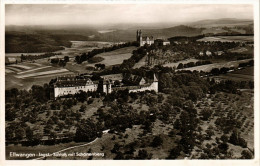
117, 56
24, 75
228, 39
209, 67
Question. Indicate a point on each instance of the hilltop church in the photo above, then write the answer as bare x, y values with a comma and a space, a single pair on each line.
143, 40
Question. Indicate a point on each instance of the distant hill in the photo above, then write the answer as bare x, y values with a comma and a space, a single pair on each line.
22, 39
53, 38
228, 22
130, 35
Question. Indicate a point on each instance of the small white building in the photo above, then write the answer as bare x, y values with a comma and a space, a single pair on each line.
162, 42
208, 53
219, 53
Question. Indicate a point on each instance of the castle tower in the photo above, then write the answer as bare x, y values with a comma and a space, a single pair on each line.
107, 86
155, 83
137, 36
140, 38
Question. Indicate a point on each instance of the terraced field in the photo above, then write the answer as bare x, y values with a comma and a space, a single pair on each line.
24, 75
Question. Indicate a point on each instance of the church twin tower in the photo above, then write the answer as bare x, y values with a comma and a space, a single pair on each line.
143, 40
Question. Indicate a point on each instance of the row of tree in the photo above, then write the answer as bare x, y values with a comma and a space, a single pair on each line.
193, 64
35, 57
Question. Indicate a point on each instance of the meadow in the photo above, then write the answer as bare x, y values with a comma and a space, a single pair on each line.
25, 74
209, 67
228, 39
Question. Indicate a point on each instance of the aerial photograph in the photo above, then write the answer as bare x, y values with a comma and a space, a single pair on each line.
129, 81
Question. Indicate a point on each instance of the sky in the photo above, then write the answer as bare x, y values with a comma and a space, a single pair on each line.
101, 14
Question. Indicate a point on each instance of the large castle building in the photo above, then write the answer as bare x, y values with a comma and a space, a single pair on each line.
67, 85
70, 85
143, 40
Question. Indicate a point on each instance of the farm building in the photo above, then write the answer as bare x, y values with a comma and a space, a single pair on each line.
208, 53
9, 60
113, 77
162, 42
219, 53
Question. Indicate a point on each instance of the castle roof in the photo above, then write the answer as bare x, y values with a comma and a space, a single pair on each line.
130, 87
112, 77
155, 78
147, 37
72, 81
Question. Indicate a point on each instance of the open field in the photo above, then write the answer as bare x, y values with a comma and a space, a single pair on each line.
183, 61
228, 39
140, 63
238, 75
243, 50
76, 48
24, 75
79, 47
209, 67
117, 56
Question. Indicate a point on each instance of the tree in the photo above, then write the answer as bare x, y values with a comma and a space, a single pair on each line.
115, 148
119, 156
157, 141
224, 138
245, 154
237, 140
174, 153
87, 131
29, 133
209, 133
10, 114
142, 154
82, 108
206, 113
223, 147
180, 66
81, 96
66, 59
19, 133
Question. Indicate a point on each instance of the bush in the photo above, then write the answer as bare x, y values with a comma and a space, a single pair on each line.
157, 141
95, 59
246, 155
206, 114
237, 140
87, 131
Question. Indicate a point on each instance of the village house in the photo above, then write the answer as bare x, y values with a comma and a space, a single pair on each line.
219, 53
208, 53
162, 42
9, 60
